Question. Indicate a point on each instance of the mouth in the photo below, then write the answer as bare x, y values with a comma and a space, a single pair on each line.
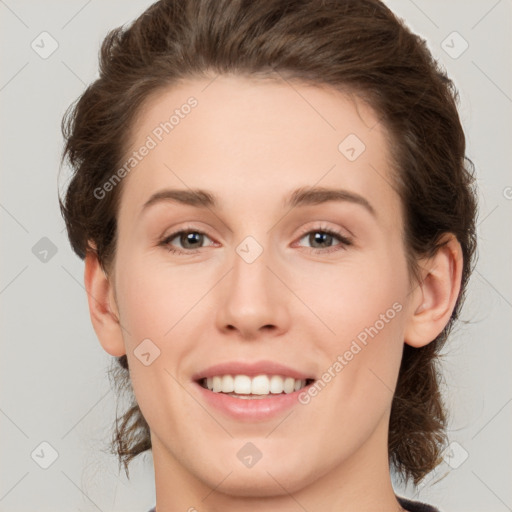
251, 391
247, 387
251, 399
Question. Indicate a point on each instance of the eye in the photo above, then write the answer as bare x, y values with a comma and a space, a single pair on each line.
191, 241
324, 237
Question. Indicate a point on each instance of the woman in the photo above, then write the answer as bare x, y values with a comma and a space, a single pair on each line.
313, 153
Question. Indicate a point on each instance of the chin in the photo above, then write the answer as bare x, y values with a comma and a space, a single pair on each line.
246, 484
273, 478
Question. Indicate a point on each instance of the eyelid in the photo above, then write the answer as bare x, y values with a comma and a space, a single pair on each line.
166, 239
323, 227
335, 232
345, 240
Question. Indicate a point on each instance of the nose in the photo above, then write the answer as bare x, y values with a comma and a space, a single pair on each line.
254, 301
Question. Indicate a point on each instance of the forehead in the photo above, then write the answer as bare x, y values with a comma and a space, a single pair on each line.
255, 140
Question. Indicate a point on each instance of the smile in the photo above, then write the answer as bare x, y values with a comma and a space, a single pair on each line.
259, 386
248, 407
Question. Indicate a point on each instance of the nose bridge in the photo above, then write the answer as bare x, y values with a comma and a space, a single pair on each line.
253, 295
251, 279
250, 265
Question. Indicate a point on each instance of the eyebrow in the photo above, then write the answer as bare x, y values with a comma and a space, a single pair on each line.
303, 196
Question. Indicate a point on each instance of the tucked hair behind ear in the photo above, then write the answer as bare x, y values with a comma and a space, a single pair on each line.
356, 46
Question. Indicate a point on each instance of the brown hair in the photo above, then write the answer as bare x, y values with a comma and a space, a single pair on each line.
356, 46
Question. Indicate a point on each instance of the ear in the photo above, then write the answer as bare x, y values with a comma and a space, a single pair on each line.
435, 296
102, 306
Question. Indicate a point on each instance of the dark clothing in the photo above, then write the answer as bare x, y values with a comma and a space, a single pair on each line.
415, 506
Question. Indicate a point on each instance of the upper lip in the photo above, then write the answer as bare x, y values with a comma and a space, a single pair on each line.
251, 370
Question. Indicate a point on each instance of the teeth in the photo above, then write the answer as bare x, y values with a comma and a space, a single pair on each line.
259, 385
228, 384
289, 384
242, 384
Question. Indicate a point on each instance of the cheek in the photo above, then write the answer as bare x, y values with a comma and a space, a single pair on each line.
156, 304
354, 296
364, 307
153, 298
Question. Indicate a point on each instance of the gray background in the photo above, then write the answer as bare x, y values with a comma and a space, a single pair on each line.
54, 387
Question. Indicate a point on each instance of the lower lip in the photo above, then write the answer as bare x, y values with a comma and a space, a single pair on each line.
257, 409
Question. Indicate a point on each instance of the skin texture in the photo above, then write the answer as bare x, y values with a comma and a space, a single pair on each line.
301, 302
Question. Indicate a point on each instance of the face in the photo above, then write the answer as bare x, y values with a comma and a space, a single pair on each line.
270, 278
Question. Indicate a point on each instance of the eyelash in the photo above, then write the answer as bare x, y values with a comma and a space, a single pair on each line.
345, 242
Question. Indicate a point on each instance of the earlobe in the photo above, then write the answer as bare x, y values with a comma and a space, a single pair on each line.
437, 293
102, 306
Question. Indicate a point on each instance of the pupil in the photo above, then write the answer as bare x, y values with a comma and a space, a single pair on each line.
319, 236
189, 237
